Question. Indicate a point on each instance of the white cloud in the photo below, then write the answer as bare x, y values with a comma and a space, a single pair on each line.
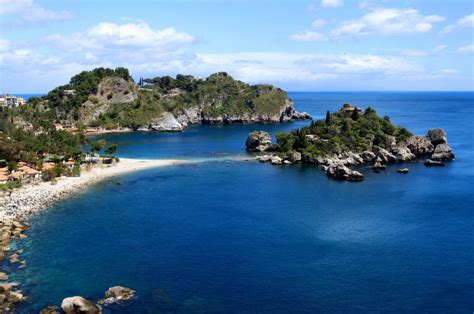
468, 49
28, 10
308, 36
388, 22
318, 23
413, 53
108, 36
332, 3
467, 21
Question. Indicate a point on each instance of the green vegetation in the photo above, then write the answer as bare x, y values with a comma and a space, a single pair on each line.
344, 130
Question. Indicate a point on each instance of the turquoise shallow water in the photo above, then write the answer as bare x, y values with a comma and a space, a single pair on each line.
234, 236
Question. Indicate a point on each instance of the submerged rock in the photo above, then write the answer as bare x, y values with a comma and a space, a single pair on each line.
442, 152
403, 170
431, 163
76, 305
258, 141
50, 309
116, 294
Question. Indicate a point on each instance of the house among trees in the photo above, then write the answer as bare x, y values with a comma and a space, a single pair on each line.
11, 101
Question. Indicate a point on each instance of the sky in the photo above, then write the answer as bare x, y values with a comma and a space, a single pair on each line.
320, 45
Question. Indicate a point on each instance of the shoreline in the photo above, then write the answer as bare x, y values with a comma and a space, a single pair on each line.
32, 198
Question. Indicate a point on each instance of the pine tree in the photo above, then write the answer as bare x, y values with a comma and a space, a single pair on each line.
328, 117
355, 114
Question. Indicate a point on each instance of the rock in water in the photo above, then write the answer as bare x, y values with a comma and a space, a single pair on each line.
442, 152
275, 160
403, 170
295, 157
258, 141
403, 154
76, 305
431, 163
116, 294
437, 136
50, 309
419, 145
342, 172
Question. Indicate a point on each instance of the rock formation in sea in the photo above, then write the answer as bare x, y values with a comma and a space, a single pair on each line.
343, 143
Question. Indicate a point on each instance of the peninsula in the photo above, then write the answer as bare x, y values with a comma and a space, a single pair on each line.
351, 138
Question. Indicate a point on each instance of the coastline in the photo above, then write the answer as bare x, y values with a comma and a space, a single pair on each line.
30, 199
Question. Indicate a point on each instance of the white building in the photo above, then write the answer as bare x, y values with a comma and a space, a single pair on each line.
11, 101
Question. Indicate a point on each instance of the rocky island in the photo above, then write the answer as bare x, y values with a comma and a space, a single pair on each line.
351, 138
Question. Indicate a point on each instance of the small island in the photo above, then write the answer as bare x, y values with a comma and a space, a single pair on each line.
351, 138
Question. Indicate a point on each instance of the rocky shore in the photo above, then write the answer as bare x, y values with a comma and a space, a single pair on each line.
433, 148
20, 203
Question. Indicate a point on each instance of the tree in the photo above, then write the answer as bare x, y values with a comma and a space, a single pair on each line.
355, 114
96, 146
328, 117
111, 149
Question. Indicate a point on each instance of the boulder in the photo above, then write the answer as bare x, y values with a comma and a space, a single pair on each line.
403, 154
264, 158
442, 152
166, 123
3, 276
437, 136
294, 157
116, 294
403, 170
73, 305
431, 163
419, 145
258, 141
341, 172
15, 297
378, 166
367, 156
7, 286
275, 160
301, 116
385, 156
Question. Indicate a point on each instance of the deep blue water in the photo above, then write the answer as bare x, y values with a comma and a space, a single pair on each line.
235, 236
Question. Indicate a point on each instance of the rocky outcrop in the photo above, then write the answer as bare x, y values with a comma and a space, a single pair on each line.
442, 152
341, 172
418, 145
258, 141
437, 136
403, 154
164, 123
79, 305
117, 294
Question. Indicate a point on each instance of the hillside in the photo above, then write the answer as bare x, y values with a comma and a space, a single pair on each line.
110, 99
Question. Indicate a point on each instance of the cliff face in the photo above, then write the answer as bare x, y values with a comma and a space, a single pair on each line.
167, 104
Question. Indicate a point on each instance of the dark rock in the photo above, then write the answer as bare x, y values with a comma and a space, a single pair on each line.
258, 141
431, 163
437, 136
385, 156
367, 156
378, 166
442, 152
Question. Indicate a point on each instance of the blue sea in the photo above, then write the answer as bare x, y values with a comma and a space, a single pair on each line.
228, 236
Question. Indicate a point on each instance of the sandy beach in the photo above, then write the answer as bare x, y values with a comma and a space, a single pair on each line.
34, 197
